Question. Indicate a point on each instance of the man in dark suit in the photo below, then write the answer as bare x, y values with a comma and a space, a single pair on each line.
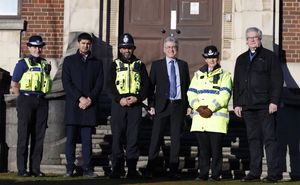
168, 103
82, 78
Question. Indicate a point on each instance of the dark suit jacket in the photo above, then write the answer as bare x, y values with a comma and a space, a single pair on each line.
81, 79
159, 84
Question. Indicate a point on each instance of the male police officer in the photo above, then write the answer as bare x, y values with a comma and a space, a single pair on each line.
30, 82
128, 88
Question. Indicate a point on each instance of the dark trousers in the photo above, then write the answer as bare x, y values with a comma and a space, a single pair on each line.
288, 129
261, 127
173, 115
210, 147
86, 143
32, 113
125, 123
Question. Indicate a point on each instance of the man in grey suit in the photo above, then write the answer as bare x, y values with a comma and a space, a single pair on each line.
169, 82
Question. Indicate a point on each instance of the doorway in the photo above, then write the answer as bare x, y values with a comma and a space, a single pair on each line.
196, 24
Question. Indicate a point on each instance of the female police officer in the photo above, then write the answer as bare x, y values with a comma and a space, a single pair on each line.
209, 94
30, 82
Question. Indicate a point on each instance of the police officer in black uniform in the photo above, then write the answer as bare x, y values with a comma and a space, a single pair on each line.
128, 86
30, 82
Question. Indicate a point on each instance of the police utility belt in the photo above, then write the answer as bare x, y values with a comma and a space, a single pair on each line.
33, 95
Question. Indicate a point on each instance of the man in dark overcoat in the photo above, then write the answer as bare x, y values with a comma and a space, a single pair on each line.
82, 78
258, 82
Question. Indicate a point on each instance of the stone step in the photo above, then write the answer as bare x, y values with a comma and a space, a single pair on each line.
102, 171
185, 162
61, 169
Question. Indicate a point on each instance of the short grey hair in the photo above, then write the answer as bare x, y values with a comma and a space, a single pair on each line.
171, 39
254, 29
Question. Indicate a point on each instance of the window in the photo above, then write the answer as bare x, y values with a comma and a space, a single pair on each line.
10, 8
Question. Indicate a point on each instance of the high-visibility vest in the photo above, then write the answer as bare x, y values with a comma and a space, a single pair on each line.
35, 78
128, 78
211, 89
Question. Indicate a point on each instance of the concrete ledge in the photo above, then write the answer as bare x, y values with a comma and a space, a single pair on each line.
12, 24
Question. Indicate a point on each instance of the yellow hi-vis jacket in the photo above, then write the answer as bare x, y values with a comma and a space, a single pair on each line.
211, 89
35, 78
128, 79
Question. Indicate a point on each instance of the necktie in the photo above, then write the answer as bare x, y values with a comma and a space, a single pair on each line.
252, 55
173, 88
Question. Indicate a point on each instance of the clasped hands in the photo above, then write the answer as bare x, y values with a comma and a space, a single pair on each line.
204, 111
128, 101
84, 102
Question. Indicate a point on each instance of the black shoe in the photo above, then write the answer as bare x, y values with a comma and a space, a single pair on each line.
201, 178
89, 174
215, 179
269, 179
250, 178
294, 179
148, 174
115, 175
69, 173
174, 176
38, 174
23, 174
134, 175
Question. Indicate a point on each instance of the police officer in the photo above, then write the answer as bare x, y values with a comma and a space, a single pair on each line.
209, 94
128, 88
30, 82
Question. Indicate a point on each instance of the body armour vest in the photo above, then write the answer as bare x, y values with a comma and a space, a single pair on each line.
128, 78
35, 78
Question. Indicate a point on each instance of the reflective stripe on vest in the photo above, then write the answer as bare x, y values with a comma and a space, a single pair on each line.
128, 78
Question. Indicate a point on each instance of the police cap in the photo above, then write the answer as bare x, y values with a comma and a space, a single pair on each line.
126, 41
210, 52
36, 40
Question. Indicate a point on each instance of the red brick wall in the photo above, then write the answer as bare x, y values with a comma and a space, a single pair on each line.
291, 30
45, 18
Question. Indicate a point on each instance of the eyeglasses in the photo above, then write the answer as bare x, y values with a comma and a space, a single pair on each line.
171, 47
253, 38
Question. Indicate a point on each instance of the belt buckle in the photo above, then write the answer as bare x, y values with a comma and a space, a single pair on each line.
26, 94
33, 95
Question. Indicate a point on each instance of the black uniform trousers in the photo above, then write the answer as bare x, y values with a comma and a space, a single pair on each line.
261, 131
32, 113
125, 122
210, 147
86, 144
174, 115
